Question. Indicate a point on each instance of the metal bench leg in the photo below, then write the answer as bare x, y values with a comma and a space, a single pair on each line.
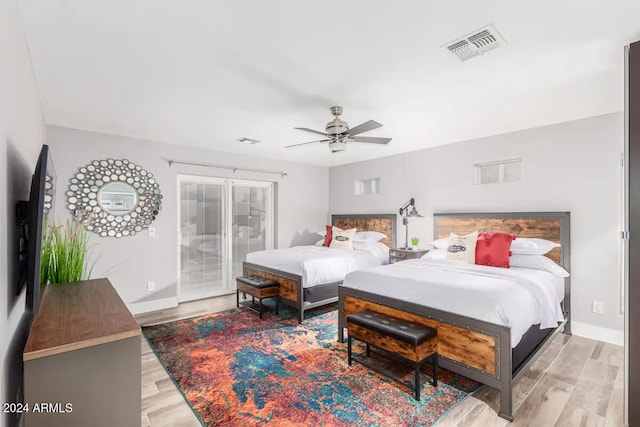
261, 307
368, 350
277, 298
434, 361
349, 338
416, 391
253, 299
237, 298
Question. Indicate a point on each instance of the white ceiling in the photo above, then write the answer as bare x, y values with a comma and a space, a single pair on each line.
206, 72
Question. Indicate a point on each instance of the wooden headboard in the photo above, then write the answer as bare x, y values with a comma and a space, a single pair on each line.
543, 225
384, 223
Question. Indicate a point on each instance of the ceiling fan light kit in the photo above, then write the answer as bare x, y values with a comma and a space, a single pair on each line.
337, 133
338, 145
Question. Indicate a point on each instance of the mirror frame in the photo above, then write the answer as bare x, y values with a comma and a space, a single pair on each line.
86, 185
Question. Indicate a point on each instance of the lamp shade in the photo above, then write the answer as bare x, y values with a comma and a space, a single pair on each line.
413, 213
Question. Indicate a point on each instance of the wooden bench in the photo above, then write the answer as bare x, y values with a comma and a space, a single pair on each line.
257, 287
411, 341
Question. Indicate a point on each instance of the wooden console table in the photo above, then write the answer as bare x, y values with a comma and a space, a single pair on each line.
82, 359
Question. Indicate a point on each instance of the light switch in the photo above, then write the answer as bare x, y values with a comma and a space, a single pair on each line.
152, 232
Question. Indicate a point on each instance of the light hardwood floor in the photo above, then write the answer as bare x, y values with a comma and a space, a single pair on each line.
575, 382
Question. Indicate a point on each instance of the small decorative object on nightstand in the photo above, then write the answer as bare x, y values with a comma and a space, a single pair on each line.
414, 242
401, 254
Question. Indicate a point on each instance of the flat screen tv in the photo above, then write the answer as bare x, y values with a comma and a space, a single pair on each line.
32, 218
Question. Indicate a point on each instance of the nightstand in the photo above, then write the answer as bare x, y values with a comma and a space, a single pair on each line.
397, 255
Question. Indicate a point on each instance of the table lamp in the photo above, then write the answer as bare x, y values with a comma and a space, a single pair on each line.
408, 210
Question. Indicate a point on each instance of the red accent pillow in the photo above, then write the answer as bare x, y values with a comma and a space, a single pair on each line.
328, 236
492, 249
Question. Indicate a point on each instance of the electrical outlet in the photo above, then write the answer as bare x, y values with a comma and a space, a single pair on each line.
152, 232
151, 285
598, 307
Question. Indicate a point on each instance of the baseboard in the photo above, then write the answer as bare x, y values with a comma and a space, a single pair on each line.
154, 305
598, 333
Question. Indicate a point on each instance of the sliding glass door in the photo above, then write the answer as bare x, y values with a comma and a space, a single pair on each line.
201, 238
252, 221
220, 221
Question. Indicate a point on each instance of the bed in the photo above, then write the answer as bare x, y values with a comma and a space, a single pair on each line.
301, 290
479, 348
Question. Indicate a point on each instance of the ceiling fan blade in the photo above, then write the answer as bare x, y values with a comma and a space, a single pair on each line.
372, 139
364, 127
306, 143
313, 131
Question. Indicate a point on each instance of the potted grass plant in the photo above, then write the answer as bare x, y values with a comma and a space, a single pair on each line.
65, 254
414, 242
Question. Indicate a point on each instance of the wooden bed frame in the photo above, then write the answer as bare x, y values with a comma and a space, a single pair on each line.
476, 349
291, 289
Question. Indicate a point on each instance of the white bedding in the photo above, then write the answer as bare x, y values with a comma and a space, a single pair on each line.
514, 297
316, 264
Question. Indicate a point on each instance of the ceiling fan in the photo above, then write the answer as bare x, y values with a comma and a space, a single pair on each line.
338, 133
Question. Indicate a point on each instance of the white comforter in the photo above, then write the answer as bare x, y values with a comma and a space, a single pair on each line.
515, 297
316, 264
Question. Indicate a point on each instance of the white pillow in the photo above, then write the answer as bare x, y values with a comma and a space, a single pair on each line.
440, 243
532, 246
319, 242
435, 254
342, 239
323, 233
377, 249
369, 236
462, 249
538, 262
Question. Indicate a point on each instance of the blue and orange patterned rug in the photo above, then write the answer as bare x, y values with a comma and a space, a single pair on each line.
237, 370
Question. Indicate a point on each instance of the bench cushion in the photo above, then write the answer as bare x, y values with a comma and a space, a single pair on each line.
256, 281
403, 330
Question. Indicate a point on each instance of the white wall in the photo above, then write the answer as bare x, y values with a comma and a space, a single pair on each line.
302, 204
573, 166
21, 136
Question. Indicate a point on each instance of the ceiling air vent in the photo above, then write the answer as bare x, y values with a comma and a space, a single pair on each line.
245, 140
476, 43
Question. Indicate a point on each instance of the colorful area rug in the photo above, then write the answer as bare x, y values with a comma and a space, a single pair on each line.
237, 370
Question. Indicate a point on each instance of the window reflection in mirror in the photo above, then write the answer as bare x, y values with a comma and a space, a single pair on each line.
118, 198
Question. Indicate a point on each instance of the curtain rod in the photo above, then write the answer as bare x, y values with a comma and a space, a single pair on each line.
233, 168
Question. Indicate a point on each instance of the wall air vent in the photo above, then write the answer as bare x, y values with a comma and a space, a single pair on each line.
245, 140
476, 43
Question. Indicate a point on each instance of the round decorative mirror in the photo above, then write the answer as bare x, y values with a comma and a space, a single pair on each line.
114, 198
